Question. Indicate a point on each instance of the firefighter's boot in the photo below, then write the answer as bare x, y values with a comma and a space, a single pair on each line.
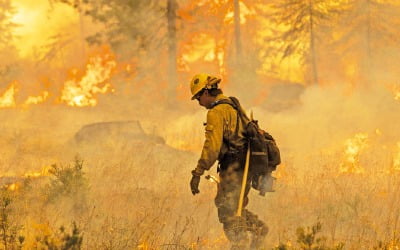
235, 231
258, 230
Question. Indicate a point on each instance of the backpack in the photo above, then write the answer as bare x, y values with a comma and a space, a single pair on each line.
264, 152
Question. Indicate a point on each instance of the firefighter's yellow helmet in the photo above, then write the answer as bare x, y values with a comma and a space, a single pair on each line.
203, 81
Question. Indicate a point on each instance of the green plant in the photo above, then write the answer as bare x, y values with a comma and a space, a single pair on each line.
8, 228
68, 181
62, 240
307, 239
281, 246
390, 244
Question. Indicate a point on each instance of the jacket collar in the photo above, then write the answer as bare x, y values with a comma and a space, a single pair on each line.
217, 99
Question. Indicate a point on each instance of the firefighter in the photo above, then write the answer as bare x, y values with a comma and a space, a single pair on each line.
225, 141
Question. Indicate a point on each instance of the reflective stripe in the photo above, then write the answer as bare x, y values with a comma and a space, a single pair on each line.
258, 153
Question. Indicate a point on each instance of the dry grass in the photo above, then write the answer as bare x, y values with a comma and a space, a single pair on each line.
137, 194
140, 199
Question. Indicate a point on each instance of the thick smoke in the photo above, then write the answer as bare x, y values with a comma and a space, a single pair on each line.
136, 187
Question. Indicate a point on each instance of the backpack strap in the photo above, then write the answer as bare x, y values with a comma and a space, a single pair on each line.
240, 110
224, 101
238, 114
234, 102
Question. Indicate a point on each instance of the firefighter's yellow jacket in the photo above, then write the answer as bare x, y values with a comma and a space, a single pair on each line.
220, 129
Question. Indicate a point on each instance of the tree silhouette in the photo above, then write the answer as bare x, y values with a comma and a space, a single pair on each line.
136, 28
6, 25
7, 48
367, 27
299, 25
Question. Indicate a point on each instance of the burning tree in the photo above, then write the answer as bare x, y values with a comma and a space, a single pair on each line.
137, 29
6, 25
6, 37
220, 36
374, 26
299, 25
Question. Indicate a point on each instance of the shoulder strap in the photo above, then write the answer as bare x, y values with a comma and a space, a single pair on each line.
224, 101
234, 102
239, 108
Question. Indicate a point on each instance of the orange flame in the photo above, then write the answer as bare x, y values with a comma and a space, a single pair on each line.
144, 245
244, 13
7, 100
45, 171
353, 147
37, 99
13, 186
78, 91
82, 93
397, 94
395, 89
396, 159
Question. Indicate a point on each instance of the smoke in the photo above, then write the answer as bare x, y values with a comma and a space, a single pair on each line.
37, 22
321, 120
133, 178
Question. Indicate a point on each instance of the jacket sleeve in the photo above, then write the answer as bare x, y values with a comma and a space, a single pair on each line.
213, 142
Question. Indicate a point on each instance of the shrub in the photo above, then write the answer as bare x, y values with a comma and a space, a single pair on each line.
61, 240
9, 229
307, 239
68, 181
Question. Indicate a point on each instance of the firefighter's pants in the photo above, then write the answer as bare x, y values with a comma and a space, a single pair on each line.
227, 201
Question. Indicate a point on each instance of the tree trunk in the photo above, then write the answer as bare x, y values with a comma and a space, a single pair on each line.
172, 6
312, 46
367, 67
238, 43
82, 31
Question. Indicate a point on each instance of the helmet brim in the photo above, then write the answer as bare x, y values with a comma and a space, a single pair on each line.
194, 96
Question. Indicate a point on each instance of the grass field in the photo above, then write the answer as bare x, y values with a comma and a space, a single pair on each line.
338, 186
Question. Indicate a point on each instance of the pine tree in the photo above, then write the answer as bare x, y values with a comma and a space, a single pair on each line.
300, 23
7, 47
172, 7
136, 28
6, 25
367, 27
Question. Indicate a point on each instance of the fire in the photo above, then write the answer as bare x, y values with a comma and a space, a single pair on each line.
82, 92
203, 48
351, 158
37, 99
144, 245
45, 171
397, 95
19, 181
396, 158
7, 100
37, 21
396, 92
13, 187
79, 91
244, 13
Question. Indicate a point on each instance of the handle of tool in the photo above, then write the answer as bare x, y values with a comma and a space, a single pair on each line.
244, 182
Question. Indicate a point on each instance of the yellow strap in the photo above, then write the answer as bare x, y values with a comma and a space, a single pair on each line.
244, 181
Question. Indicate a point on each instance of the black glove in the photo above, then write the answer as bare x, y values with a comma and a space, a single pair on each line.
194, 184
